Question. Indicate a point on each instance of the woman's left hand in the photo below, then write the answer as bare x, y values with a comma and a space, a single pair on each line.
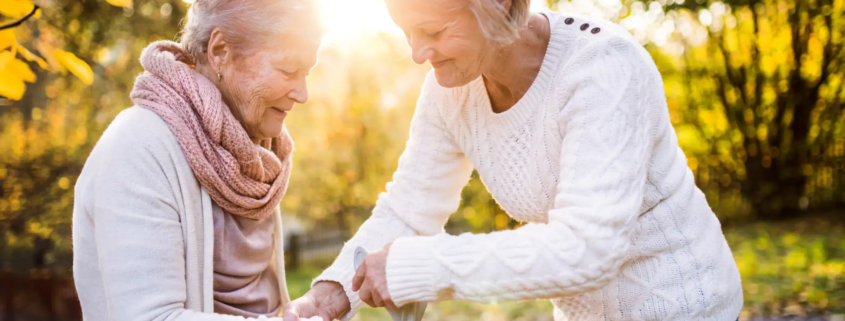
370, 280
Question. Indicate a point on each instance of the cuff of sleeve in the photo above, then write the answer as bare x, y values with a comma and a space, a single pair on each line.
413, 274
344, 277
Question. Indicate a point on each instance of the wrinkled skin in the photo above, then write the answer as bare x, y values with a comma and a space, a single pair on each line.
261, 87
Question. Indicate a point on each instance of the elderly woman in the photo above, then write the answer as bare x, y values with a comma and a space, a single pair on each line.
565, 120
176, 214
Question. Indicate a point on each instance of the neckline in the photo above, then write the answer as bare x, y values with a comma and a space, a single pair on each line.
523, 109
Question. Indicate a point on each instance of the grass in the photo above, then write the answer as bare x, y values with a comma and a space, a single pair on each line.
791, 268
787, 268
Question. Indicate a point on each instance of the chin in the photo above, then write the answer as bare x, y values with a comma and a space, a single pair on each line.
271, 130
450, 78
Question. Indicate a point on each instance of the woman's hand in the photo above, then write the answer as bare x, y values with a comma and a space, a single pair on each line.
371, 280
326, 300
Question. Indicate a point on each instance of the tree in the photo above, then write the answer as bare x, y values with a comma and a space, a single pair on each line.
777, 75
757, 101
47, 133
15, 71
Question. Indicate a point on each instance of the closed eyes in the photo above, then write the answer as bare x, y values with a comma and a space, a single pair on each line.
288, 72
427, 34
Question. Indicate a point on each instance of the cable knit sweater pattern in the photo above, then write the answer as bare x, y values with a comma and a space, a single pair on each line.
617, 229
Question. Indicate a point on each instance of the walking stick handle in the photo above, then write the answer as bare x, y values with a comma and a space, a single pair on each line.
409, 312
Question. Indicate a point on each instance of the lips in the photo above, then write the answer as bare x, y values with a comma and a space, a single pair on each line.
438, 64
279, 111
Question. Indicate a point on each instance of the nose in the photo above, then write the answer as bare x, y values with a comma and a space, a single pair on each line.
300, 93
420, 50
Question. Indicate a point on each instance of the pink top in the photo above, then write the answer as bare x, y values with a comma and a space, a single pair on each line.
245, 282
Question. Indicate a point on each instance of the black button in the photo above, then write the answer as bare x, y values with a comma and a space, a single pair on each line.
585, 26
569, 21
595, 30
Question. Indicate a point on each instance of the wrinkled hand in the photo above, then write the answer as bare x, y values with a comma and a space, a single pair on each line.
326, 300
371, 280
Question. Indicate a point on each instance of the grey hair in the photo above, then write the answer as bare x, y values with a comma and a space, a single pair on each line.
246, 24
497, 25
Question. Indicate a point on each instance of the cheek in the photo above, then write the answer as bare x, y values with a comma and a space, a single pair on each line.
277, 88
262, 87
466, 47
467, 41
254, 106
467, 55
248, 94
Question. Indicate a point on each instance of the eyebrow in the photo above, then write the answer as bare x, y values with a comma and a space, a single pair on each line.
424, 22
302, 63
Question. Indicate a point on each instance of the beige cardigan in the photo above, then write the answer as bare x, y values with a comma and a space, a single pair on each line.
143, 230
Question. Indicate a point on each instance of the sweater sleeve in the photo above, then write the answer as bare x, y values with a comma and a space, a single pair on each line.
424, 192
137, 230
604, 154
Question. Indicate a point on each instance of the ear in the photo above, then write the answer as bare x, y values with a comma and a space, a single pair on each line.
218, 52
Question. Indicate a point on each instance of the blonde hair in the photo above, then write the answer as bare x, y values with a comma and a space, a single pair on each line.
246, 24
498, 25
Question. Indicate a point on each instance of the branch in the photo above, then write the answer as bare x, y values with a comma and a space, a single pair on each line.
759, 77
722, 88
19, 22
734, 78
834, 112
827, 55
837, 50
797, 52
688, 81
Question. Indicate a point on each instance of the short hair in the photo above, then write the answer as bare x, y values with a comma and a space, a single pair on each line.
498, 25
246, 24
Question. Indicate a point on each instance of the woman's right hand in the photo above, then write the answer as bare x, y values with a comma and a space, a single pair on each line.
325, 299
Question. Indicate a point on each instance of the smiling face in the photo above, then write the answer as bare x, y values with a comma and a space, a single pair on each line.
257, 53
261, 88
445, 33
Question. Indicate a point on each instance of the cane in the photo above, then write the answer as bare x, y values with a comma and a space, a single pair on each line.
409, 312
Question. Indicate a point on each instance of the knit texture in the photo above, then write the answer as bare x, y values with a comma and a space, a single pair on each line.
143, 229
244, 178
617, 229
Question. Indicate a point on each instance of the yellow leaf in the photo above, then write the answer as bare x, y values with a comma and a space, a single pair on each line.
7, 38
16, 8
10, 85
5, 57
29, 56
120, 3
20, 69
76, 66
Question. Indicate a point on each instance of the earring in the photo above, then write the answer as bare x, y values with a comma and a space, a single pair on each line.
219, 76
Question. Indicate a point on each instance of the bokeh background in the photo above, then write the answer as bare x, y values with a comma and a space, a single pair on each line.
755, 92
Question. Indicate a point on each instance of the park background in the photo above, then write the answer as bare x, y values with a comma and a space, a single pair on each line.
754, 87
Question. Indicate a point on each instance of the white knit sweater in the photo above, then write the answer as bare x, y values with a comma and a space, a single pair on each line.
618, 229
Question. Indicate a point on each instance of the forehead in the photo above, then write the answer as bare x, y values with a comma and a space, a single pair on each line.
412, 13
299, 49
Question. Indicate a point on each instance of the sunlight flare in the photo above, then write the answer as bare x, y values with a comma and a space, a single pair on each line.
346, 19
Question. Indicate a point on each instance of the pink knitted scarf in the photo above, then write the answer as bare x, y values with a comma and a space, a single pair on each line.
244, 178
